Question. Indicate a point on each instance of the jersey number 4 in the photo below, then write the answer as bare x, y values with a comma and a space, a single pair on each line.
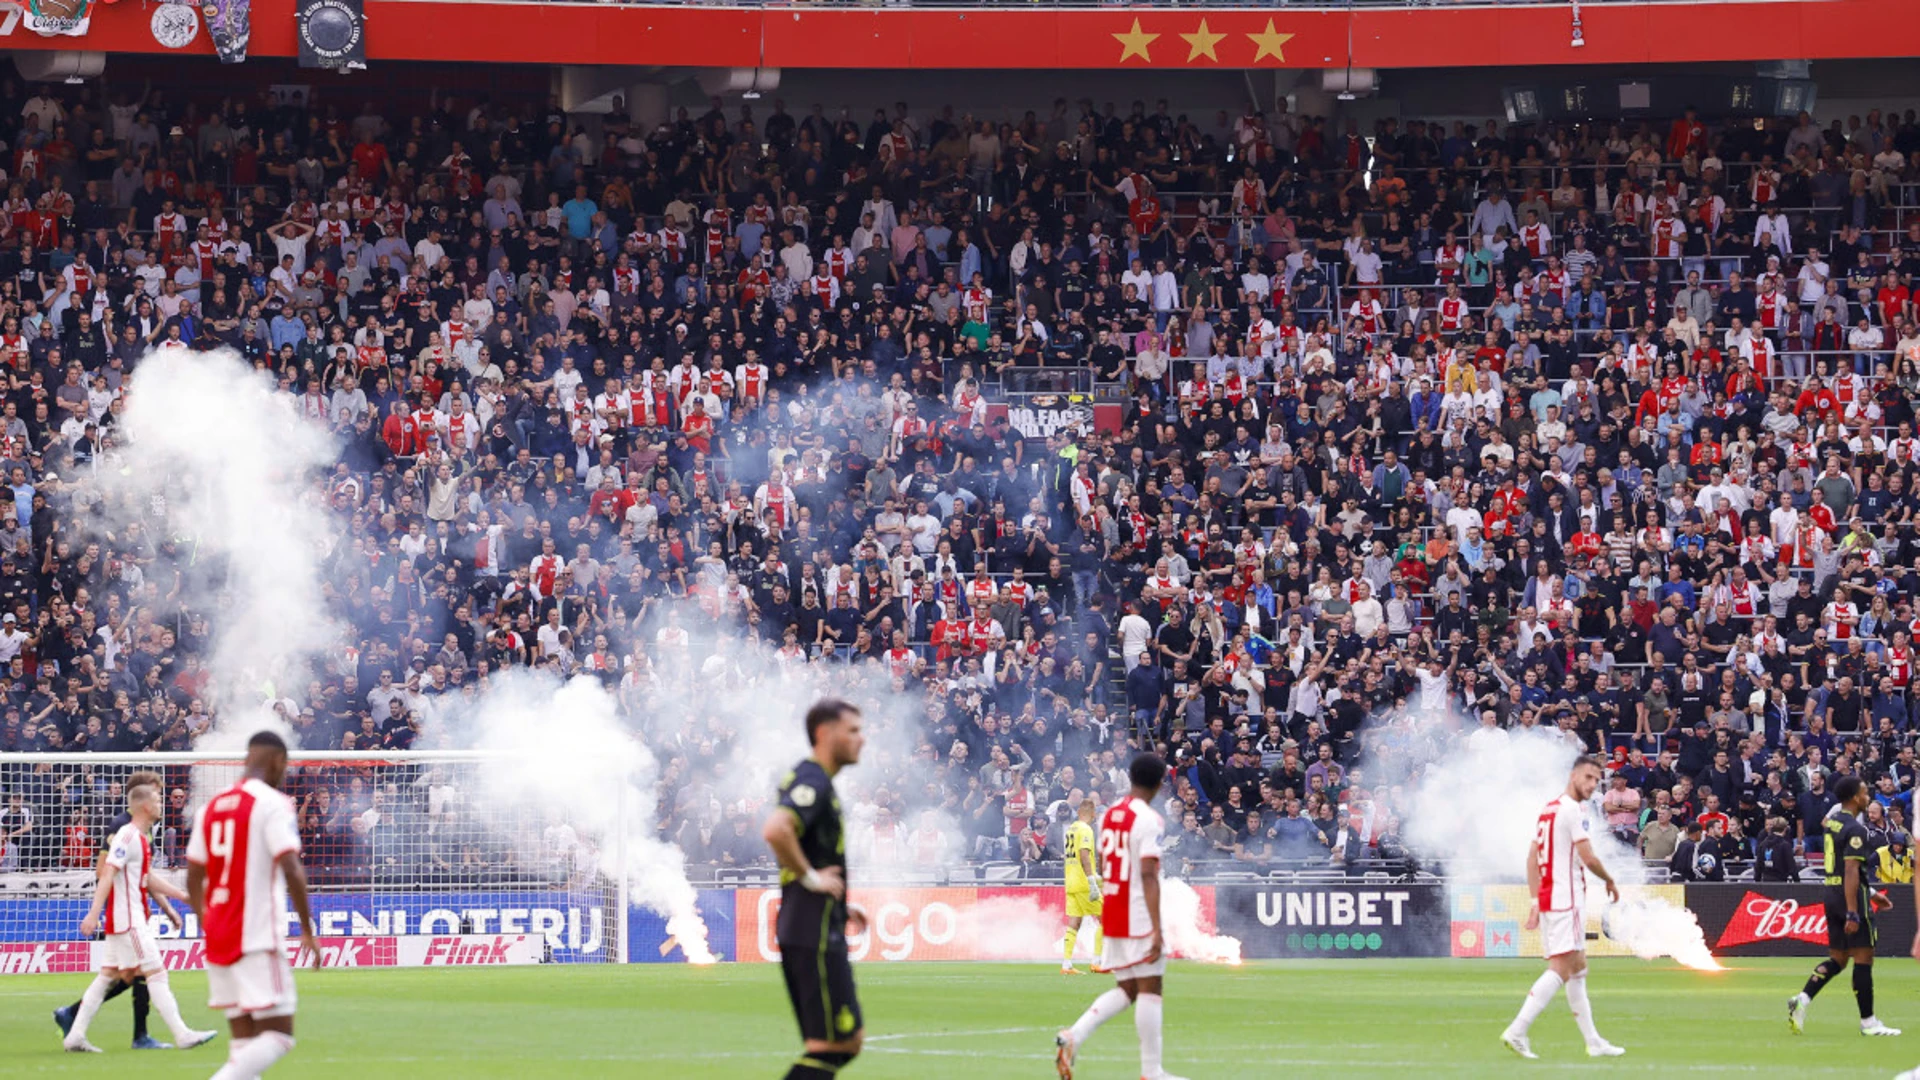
220, 846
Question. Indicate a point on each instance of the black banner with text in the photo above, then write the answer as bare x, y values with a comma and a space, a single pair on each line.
1349, 920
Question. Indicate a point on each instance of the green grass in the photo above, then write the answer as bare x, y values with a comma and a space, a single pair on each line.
935, 1021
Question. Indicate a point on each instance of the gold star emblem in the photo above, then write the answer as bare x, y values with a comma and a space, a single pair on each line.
1201, 43
1134, 43
1268, 42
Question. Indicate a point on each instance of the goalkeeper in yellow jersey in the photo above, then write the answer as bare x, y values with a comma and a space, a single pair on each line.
1083, 886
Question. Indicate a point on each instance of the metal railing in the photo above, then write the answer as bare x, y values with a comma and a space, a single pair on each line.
1308, 5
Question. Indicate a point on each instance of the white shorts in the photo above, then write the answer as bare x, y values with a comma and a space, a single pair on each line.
1563, 932
133, 950
1123, 957
259, 984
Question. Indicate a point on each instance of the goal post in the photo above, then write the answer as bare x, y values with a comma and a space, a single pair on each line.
410, 860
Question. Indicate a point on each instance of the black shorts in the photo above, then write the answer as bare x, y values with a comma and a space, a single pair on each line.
820, 984
1862, 937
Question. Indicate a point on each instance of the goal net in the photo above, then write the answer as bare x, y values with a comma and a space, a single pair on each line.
410, 862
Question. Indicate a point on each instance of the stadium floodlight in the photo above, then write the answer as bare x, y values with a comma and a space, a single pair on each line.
412, 859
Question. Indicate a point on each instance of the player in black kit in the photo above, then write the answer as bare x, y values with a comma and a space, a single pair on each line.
806, 836
1850, 904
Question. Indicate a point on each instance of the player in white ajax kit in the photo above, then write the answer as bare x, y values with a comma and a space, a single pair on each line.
243, 863
126, 880
1135, 951
1557, 866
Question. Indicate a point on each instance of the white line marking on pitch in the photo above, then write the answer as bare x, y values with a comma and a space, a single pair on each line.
951, 1034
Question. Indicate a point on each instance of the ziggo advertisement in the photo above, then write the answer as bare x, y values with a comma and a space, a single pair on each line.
1002, 923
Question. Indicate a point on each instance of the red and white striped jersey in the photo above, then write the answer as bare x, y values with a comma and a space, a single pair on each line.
239, 838
719, 226
169, 229
1563, 877
825, 287
751, 381
331, 232
673, 245
130, 855
543, 573
980, 592
976, 300
1130, 832
204, 252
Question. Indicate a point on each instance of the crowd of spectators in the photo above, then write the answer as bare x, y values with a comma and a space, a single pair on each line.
1429, 436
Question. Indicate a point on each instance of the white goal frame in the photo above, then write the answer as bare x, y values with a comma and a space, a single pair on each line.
576, 913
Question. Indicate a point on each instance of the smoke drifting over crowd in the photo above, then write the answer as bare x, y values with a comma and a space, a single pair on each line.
218, 461
214, 458
1473, 809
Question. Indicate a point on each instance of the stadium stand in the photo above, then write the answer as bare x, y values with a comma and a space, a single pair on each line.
1242, 436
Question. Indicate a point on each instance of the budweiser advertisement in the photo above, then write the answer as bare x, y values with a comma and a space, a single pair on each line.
189, 954
1776, 919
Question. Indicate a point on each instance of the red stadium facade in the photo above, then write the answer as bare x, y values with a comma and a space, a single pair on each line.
1042, 38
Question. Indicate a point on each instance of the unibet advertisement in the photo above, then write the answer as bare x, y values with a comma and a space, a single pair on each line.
1346, 920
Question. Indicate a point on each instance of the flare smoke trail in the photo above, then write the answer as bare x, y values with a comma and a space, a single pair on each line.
217, 456
561, 747
1474, 810
221, 459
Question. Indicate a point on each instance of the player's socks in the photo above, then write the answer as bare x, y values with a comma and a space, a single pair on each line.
89, 1005
142, 1004
169, 1009
229, 1070
1863, 989
1073, 936
139, 1004
1582, 1011
818, 1065
1146, 1021
256, 1056
1099, 943
1826, 970
1538, 998
1104, 1008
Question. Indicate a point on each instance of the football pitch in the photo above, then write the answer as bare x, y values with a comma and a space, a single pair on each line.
936, 1021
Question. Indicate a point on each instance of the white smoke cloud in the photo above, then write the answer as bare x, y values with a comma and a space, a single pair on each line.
1186, 932
561, 748
217, 457
1474, 808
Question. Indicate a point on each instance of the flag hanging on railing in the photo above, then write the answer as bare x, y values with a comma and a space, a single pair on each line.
332, 34
229, 24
